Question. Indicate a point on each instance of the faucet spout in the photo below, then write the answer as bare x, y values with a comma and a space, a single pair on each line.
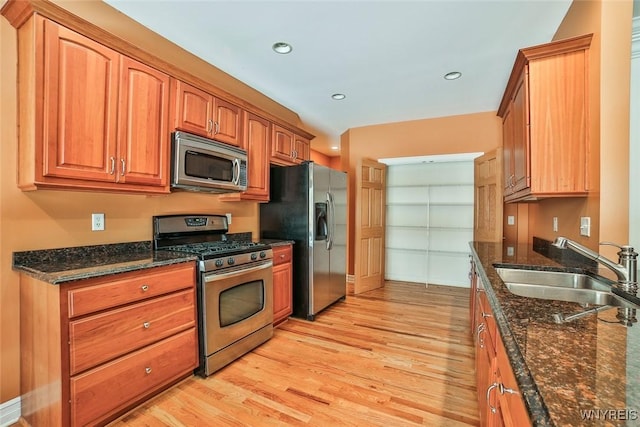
625, 269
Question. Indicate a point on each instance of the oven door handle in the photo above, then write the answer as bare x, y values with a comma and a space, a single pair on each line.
210, 277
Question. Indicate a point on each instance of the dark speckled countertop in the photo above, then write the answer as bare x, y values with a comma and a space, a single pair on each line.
564, 370
57, 266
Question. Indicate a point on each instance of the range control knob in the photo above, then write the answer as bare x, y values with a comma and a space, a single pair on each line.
219, 263
263, 254
254, 256
231, 261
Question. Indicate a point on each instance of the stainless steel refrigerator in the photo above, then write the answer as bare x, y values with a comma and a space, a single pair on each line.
308, 204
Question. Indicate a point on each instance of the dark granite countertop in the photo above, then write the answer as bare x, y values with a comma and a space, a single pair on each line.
587, 366
57, 266
277, 242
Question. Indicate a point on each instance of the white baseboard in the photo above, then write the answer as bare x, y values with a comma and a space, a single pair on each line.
9, 412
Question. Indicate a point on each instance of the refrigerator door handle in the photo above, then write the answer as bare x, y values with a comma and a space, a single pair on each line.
332, 220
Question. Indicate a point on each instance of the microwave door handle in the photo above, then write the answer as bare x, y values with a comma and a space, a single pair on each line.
236, 171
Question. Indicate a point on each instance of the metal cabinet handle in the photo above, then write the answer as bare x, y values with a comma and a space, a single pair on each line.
113, 165
485, 315
122, 163
144, 288
491, 387
209, 126
502, 389
146, 325
479, 330
216, 128
147, 370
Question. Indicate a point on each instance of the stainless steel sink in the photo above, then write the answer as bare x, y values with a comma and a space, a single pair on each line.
558, 285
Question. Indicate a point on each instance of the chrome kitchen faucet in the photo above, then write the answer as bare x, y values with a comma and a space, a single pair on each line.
625, 269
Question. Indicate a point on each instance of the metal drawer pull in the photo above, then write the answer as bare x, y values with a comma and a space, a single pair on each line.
491, 387
480, 330
146, 325
485, 315
144, 288
502, 389
113, 166
147, 370
123, 166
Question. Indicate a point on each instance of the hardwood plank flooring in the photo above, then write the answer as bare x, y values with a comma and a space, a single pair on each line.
396, 356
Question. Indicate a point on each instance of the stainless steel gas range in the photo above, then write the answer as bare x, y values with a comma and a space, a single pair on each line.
235, 285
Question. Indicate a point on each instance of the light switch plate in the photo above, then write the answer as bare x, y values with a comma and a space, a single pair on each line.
555, 223
511, 220
585, 226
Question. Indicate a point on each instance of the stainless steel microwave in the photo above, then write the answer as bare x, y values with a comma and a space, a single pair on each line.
202, 164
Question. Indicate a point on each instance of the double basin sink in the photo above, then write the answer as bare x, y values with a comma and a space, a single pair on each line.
561, 285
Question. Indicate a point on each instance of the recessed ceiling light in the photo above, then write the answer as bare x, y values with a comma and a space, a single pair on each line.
335, 147
282, 47
338, 96
453, 75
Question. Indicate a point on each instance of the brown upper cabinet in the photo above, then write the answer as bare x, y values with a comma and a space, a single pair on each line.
201, 113
287, 148
90, 117
545, 118
257, 133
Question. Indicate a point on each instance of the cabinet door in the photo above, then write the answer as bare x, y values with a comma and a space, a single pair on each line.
143, 145
282, 283
521, 166
258, 131
507, 150
227, 125
193, 110
79, 106
301, 149
282, 145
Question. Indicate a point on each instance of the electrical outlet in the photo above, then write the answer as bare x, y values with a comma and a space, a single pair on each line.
585, 226
228, 218
555, 223
97, 222
511, 220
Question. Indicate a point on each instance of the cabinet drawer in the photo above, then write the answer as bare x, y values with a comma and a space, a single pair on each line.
96, 339
281, 254
129, 287
113, 387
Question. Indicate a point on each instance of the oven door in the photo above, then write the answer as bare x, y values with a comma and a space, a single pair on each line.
237, 303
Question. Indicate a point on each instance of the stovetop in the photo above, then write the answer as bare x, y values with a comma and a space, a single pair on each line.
208, 250
204, 235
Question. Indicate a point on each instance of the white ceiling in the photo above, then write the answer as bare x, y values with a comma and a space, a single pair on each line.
388, 57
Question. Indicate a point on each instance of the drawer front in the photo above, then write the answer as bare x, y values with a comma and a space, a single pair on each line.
130, 287
105, 336
281, 254
111, 388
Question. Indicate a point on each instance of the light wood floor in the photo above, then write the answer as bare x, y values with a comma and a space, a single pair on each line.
401, 355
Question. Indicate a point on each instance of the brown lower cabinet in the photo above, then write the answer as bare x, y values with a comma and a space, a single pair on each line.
282, 283
93, 349
499, 399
